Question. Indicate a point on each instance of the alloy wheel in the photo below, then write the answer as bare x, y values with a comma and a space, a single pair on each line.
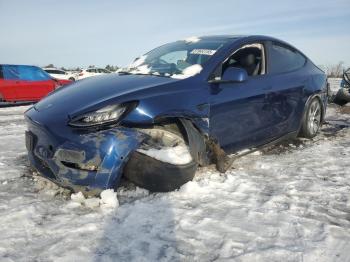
314, 117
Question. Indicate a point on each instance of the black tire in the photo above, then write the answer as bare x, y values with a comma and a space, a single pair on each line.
157, 176
342, 97
339, 101
72, 79
312, 119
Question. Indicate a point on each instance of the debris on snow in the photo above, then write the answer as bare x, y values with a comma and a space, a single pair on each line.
47, 187
137, 192
109, 199
78, 197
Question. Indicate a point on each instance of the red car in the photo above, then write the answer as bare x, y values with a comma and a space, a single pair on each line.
24, 83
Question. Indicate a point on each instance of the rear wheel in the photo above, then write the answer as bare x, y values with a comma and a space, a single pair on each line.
71, 79
312, 119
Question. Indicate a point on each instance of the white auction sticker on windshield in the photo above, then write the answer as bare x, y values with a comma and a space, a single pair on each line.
203, 52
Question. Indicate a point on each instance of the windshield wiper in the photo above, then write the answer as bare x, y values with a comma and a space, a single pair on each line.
144, 74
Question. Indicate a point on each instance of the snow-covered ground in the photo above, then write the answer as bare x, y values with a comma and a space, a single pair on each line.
289, 203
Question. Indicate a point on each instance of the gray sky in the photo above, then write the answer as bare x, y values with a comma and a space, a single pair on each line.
83, 32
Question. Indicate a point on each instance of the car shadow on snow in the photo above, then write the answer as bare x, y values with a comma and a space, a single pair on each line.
142, 228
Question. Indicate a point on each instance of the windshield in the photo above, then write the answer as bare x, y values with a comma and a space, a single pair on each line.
179, 59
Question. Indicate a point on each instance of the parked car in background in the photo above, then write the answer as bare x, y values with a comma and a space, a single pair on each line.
61, 74
343, 95
182, 105
84, 73
26, 83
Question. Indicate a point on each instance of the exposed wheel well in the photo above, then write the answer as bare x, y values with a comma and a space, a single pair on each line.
184, 127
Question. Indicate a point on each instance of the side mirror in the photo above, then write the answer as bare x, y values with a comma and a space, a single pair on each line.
232, 75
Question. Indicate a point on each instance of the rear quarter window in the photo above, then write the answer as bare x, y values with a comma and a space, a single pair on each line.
1, 74
284, 59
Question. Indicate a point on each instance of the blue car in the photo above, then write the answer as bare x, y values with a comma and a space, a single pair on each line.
195, 102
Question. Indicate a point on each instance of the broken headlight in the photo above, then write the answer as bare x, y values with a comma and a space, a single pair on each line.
105, 115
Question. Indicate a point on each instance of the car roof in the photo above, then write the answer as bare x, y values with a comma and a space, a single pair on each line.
237, 37
234, 38
18, 65
52, 68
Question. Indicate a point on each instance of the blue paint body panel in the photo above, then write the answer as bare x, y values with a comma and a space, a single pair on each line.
237, 115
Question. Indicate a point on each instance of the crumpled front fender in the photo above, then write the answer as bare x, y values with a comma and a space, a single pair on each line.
91, 163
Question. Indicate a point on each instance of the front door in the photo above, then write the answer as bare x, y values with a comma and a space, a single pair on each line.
240, 113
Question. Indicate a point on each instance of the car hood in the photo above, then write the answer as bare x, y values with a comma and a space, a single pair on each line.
89, 92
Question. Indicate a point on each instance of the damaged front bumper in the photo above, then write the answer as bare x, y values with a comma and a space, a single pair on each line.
89, 162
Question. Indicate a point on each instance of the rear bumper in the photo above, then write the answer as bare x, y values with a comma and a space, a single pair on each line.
88, 162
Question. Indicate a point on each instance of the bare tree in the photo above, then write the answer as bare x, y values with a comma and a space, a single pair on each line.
49, 65
335, 70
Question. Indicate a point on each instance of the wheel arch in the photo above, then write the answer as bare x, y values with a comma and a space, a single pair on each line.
307, 103
194, 136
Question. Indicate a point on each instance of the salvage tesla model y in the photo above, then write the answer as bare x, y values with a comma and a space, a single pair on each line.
185, 104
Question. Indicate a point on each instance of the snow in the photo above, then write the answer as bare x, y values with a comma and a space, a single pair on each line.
78, 197
188, 72
177, 155
288, 203
192, 39
138, 62
109, 199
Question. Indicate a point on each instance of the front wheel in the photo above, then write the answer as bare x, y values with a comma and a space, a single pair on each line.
163, 162
312, 119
